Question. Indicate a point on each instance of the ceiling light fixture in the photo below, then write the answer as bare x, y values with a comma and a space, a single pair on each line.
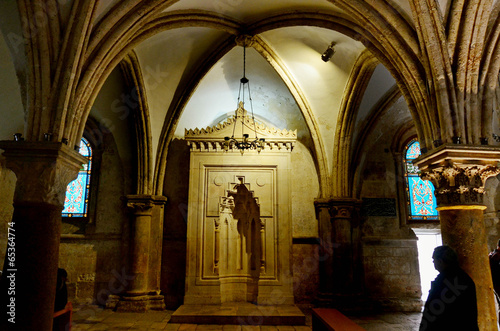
240, 114
327, 55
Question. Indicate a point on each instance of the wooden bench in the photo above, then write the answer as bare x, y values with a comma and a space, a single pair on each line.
327, 319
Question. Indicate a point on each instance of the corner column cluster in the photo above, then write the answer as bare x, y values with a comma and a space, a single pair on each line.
340, 259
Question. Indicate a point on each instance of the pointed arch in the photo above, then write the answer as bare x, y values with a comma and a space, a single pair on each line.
319, 152
131, 70
343, 148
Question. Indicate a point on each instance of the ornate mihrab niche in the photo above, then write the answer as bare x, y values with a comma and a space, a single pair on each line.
239, 216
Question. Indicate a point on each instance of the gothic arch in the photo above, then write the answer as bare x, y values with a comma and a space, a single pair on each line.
131, 70
343, 150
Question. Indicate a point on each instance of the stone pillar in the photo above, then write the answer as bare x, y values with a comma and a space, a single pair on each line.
347, 265
459, 174
43, 171
340, 260
326, 288
145, 255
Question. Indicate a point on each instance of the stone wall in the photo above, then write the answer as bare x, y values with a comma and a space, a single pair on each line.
95, 269
389, 246
392, 274
305, 264
305, 249
94, 253
305, 188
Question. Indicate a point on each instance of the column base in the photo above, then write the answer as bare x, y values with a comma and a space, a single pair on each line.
136, 303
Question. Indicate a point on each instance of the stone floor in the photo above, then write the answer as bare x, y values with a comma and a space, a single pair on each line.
238, 313
95, 318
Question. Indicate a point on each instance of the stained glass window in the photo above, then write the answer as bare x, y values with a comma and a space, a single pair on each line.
77, 192
420, 193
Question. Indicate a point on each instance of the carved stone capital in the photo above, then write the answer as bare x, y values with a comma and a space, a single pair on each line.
344, 208
459, 184
140, 204
43, 170
459, 172
321, 204
338, 208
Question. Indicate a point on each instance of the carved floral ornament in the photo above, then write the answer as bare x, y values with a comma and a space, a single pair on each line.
460, 184
459, 172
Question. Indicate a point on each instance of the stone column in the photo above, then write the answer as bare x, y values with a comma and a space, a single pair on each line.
145, 255
326, 286
340, 261
347, 266
43, 171
459, 174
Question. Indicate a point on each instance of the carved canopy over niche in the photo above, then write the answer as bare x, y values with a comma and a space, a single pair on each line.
211, 138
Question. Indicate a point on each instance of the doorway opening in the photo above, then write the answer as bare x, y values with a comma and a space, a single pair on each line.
428, 239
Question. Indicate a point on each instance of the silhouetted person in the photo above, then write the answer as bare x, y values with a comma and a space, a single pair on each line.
452, 303
494, 257
61, 290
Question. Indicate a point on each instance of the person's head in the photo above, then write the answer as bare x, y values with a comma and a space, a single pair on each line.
444, 257
62, 276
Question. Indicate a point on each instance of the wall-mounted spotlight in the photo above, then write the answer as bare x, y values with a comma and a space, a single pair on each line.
327, 55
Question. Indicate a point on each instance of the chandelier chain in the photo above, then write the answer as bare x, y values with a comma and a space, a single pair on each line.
257, 144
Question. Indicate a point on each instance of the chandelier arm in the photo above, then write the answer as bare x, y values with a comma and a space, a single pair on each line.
251, 108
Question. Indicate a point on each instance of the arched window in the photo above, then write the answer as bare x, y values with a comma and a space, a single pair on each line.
77, 192
420, 197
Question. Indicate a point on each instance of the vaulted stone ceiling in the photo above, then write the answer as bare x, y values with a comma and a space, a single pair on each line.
191, 67
168, 58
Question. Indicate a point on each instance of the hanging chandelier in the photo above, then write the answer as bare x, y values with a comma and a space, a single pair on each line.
245, 142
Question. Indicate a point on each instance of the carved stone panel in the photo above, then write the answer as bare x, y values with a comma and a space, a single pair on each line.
260, 255
264, 193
